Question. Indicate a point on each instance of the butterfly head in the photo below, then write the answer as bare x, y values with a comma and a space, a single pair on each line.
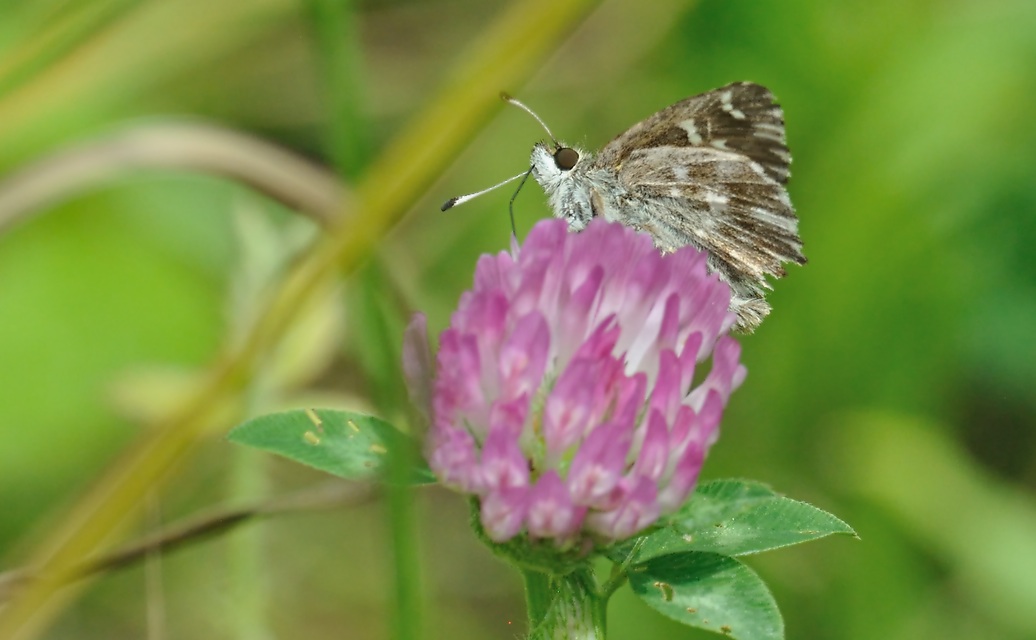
561, 171
554, 161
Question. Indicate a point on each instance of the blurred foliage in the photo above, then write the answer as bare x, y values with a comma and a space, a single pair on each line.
891, 386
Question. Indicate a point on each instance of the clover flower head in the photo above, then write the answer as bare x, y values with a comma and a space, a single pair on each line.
564, 393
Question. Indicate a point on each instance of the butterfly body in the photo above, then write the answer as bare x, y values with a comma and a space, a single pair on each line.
708, 171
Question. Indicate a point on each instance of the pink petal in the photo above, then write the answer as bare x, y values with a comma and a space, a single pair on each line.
653, 456
551, 511
638, 509
453, 457
503, 512
417, 365
599, 465
523, 356
504, 464
668, 391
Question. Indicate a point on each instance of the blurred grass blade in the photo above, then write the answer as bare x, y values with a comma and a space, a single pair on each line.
170, 145
60, 37
339, 58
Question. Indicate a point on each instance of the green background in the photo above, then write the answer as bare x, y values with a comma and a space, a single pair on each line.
892, 385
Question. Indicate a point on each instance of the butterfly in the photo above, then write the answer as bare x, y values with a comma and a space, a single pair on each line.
709, 171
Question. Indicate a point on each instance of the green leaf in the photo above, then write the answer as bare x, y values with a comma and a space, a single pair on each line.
709, 591
740, 517
349, 445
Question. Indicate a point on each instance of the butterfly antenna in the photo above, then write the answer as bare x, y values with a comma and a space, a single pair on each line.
507, 98
453, 202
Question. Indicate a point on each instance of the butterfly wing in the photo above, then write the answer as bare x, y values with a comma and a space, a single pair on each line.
710, 171
719, 202
741, 117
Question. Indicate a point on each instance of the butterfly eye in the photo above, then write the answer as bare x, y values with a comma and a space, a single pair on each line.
566, 158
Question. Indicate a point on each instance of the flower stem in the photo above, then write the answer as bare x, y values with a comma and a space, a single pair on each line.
565, 607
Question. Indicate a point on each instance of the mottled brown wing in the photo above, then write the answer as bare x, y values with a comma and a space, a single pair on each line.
741, 117
719, 201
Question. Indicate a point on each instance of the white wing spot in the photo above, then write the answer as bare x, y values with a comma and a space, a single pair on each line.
716, 198
692, 131
769, 131
786, 223
675, 193
726, 103
720, 143
769, 126
680, 173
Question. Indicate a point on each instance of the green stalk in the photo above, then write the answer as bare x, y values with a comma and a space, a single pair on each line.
250, 582
407, 615
566, 607
338, 59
